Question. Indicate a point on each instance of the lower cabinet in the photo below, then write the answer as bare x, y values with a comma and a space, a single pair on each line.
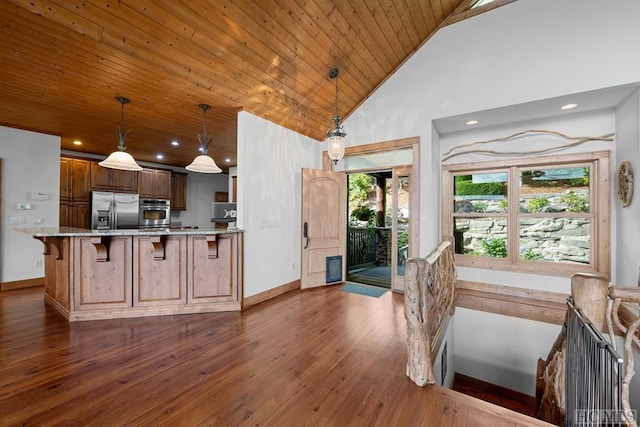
159, 270
102, 272
103, 277
212, 264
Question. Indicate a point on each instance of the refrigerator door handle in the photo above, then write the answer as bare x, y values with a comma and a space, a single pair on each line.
114, 210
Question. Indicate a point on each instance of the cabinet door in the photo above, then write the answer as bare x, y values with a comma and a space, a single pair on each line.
178, 191
213, 268
65, 214
102, 178
159, 270
102, 272
65, 178
145, 182
162, 184
126, 181
80, 215
80, 179
154, 183
113, 179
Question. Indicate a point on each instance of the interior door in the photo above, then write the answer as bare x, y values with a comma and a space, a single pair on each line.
324, 209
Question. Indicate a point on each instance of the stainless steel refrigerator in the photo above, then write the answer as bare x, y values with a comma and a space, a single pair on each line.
113, 210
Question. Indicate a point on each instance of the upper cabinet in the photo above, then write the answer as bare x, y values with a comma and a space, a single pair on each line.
178, 191
113, 179
154, 183
74, 179
75, 187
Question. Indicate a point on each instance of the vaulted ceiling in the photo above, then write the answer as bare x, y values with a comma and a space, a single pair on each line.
63, 62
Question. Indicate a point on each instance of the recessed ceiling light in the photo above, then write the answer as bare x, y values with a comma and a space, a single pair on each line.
568, 106
159, 156
227, 160
472, 122
77, 142
175, 143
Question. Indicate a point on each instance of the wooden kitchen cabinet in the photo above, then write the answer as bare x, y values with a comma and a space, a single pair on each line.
154, 183
75, 190
102, 272
108, 274
75, 214
80, 215
159, 273
213, 268
65, 178
178, 191
113, 179
81, 180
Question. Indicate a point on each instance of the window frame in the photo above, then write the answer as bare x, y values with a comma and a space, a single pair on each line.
599, 213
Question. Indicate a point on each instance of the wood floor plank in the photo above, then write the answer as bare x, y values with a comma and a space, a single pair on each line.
319, 357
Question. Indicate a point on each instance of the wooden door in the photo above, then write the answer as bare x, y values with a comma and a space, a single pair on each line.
324, 212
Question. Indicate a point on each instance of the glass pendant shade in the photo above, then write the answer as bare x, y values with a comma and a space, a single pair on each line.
121, 159
203, 163
335, 146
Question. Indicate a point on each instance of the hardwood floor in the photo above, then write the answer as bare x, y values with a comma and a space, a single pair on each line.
316, 357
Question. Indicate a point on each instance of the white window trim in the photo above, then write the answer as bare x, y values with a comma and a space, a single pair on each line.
600, 202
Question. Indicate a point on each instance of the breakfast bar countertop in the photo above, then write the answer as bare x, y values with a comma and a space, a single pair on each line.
71, 231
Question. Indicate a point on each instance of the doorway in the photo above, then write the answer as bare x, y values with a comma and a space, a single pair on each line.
397, 162
378, 226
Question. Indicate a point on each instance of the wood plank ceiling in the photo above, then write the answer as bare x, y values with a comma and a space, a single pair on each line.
63, 62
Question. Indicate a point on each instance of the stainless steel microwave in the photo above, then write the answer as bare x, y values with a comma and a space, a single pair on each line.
154, 213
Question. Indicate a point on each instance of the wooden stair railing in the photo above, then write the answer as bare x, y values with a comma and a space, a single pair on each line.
428, 303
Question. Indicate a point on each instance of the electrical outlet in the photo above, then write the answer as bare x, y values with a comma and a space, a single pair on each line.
293, 266
38, 263
17, 220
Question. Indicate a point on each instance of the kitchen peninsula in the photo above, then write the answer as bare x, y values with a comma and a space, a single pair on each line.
107, 274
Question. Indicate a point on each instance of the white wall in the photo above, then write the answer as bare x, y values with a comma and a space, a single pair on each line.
30, 163
627, 259
500, 349
270, 162
525, 51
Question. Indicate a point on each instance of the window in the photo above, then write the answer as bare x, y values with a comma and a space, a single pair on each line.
546, 215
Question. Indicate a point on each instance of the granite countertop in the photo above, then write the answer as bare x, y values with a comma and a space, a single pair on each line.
72, 232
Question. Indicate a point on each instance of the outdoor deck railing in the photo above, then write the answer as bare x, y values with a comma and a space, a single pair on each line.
361, 247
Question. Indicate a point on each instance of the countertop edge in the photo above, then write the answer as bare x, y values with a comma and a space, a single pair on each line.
81, 232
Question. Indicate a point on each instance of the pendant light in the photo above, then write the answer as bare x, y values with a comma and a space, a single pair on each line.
203, 163
121, 159
335, 135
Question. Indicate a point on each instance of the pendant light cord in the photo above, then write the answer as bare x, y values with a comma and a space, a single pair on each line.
122, 134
